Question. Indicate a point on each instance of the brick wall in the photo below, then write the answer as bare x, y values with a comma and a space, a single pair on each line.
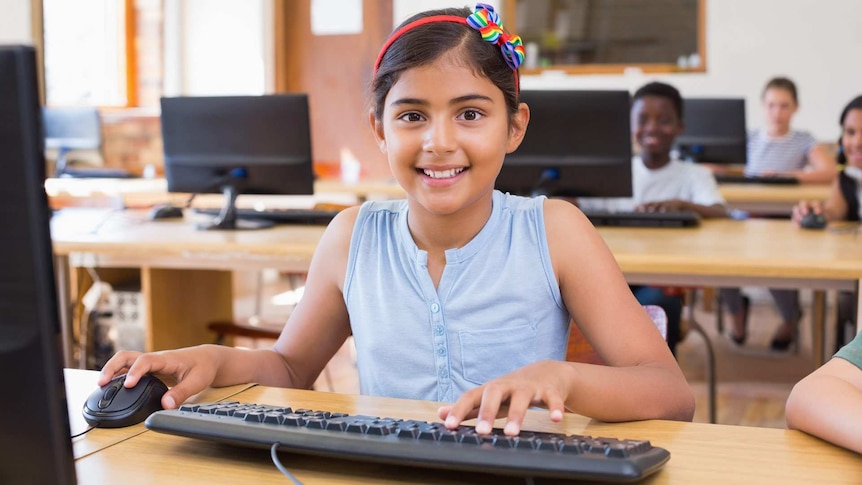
132, 139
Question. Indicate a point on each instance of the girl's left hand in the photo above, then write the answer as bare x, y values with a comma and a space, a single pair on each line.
537, 384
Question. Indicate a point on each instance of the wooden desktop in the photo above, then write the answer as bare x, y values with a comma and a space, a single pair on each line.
185, 274
700, 453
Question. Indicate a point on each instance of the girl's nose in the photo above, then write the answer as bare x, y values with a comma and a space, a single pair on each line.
440, 137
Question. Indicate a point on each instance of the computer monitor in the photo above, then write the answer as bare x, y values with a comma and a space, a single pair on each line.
578, 144
35, 446
238, 145
714, 131
71, 128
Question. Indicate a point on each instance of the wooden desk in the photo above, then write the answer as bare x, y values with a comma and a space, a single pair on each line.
185, 273
770, 199
138, 193
700, 453
81, 383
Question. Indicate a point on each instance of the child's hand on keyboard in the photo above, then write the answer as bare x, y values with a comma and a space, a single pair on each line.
674, 205
194, 369
538, 384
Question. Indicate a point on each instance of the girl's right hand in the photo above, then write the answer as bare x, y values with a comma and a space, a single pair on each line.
803, 208
193, 368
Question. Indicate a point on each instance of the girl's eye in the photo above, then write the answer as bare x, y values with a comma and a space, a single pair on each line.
471, 115
410, 117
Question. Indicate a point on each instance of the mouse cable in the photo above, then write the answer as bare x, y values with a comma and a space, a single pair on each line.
91, 428
277, 463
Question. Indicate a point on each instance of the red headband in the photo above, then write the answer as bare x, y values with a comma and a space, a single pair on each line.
427, 20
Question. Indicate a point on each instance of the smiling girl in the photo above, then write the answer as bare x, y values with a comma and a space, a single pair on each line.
459, 293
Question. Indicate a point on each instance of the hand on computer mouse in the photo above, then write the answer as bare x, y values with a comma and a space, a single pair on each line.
193, 368
809, 215
114, 405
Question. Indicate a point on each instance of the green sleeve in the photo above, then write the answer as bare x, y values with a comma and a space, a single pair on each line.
852, 352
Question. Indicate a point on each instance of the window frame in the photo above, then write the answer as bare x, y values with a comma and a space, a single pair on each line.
510, 9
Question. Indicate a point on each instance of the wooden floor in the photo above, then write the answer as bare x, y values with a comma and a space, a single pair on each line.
754, 382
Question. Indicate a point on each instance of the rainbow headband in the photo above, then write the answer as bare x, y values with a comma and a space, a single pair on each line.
485, 21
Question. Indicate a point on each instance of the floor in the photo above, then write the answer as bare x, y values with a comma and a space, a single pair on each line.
754, 382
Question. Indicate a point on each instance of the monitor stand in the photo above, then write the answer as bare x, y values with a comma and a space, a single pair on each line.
227, 218
546, 183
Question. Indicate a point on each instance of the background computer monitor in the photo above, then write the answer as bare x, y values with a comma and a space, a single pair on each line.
34, 423
71, 128
578, 144
714, 131
238, 145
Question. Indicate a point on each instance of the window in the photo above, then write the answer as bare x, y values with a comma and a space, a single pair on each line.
607, 36
86, 61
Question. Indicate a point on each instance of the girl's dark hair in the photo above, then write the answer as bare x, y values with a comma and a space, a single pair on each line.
426, 43
661, 90
855, 103
782, 83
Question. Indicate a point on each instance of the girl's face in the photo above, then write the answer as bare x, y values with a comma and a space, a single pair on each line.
851, 137
445, 131
780, 108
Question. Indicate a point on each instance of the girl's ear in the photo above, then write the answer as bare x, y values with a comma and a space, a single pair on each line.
518, 127
377, 130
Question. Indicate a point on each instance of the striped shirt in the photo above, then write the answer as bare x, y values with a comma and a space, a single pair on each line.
778, 154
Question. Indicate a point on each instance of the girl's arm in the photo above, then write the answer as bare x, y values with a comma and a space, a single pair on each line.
314, 332
822, 168
826, 404
641, 381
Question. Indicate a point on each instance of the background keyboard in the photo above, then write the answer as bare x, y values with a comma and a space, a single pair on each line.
281, 216
643, 219
753, 179
413, 443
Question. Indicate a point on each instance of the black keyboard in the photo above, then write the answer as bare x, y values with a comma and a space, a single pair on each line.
643, 219
281, 216
413, 443
755, 179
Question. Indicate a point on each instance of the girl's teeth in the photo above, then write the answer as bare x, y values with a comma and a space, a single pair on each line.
442, 174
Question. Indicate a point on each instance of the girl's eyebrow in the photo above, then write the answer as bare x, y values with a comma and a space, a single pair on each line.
458, 100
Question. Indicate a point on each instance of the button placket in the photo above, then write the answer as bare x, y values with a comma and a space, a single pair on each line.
441, 351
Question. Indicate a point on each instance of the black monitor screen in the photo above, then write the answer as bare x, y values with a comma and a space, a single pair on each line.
35, 446
578, 144
238, 145
714, 131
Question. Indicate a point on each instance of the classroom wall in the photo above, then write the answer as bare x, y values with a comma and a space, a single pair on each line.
748, 41
15, 25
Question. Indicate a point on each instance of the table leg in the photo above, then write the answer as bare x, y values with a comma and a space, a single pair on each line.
64, 307
818, 326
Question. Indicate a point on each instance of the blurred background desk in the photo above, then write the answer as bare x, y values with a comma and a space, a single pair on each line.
185, 274
700, 453
772, 200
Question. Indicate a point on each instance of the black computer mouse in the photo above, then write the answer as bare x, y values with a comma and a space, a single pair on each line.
115, 406
166, 211
813, 221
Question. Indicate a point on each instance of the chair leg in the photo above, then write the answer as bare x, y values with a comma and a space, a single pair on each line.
711, 387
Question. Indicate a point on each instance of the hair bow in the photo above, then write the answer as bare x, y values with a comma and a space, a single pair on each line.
487, 22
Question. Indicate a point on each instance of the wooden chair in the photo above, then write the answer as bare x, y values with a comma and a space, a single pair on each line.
254, 327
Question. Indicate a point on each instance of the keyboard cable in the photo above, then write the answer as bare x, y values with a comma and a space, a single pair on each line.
273, 453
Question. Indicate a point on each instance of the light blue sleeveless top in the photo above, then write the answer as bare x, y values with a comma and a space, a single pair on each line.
497, 308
